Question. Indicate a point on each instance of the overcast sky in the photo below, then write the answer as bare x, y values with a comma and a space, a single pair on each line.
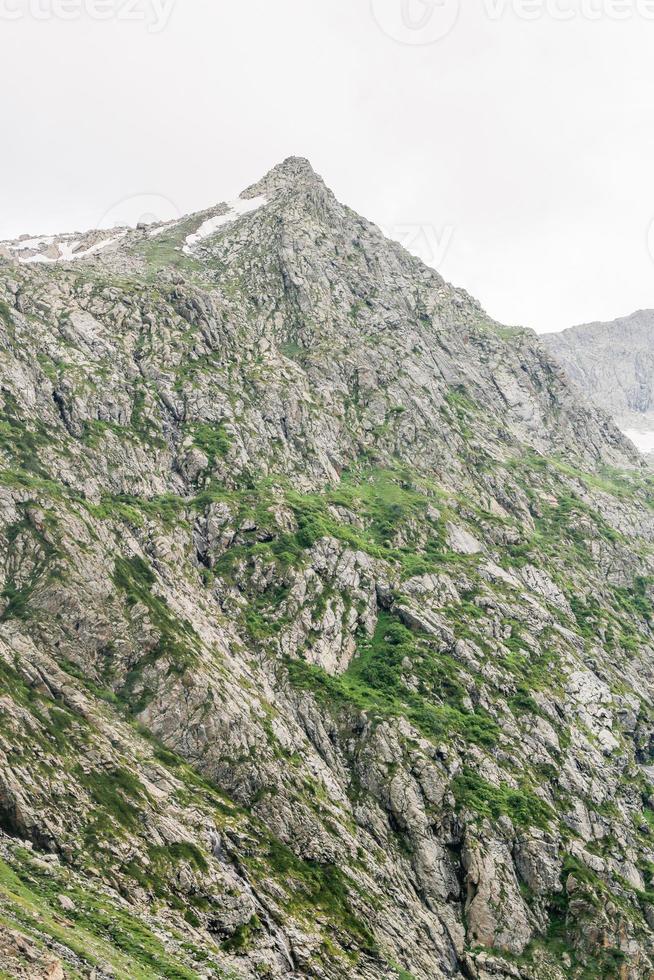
510, 143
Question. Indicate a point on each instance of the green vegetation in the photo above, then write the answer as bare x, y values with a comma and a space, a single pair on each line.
522, 806
140, 424
374, 682
530, 669
96, 429
562, 935
386, 502
5, 315
402, 974
213, 440
242, 937
383, 501
97, 931
165, 251
293, 350
320, 887
167, 508
21, 443
158, 874
635, 601
53, 726
17, 598
178, 643
384, 509
24, 578
117, 795
460, 407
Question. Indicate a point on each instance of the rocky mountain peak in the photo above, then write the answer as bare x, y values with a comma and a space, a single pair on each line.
326, 618
294, 173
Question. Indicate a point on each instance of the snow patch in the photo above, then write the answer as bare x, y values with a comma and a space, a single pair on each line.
66, 249
159, 230
642, 440
50, 249
208, 228
31, 243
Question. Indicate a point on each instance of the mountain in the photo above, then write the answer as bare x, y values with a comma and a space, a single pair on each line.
326, 633
613, 364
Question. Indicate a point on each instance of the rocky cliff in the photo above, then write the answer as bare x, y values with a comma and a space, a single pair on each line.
613, 364
326, 643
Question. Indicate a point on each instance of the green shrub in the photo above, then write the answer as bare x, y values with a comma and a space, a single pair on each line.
472, 792
213, 440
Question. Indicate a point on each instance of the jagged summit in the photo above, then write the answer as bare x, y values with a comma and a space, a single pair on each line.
287, 242
295, 175
292, 172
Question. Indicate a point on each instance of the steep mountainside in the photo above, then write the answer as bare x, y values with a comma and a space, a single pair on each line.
613, 364
326, 636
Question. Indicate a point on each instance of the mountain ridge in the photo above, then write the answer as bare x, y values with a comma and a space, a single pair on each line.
284, 176
611, 363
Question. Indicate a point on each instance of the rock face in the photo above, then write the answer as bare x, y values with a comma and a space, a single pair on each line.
613, 365
326, 642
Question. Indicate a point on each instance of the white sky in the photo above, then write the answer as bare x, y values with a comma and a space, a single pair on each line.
515, 154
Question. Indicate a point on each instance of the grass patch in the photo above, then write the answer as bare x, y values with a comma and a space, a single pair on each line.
213, 440
374, 682
178, 642
521, 805
96, 931
320, 887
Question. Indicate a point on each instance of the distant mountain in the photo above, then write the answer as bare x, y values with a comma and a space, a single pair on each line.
613, 364
326, 618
